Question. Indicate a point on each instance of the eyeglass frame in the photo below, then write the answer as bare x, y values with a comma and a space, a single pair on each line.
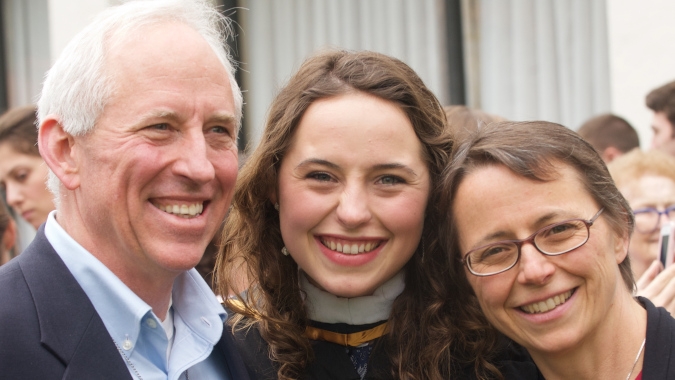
530, 239
644, 210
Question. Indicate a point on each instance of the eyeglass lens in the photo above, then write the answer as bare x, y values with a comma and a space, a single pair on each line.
647, 219
551, 240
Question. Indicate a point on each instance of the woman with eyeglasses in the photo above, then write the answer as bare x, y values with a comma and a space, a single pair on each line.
538, 236
647, 181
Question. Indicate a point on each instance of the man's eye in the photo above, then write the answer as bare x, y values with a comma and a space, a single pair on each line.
160, 127
221, 130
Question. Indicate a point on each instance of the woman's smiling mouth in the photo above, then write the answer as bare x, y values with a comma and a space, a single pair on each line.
548, 304
349, 247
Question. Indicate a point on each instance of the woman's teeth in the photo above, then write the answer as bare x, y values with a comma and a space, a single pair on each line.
350, 248
549, 304
185, 211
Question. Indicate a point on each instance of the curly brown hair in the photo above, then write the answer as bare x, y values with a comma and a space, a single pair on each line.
425, 339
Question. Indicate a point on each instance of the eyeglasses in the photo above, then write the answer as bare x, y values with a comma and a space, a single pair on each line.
552, 240
647, 219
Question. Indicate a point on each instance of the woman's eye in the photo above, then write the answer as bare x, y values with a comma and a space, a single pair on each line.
493, 251
560, 228
323, 177
21, 176
391, 180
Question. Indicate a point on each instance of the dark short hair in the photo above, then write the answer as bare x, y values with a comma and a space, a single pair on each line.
17, 126
662, 99
607, 130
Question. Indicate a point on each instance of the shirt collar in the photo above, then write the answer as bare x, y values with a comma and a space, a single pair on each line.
328, 308
121, 310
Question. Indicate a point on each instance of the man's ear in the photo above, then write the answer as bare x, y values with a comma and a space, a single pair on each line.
57, 149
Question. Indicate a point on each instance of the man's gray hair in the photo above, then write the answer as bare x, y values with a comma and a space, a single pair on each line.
77, 87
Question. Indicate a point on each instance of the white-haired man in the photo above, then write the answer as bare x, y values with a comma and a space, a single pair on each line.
138, 124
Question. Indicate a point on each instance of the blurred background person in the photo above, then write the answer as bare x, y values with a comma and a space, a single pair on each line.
647, 181
462, 120
611, 135
8, 234
661, 101
23, 173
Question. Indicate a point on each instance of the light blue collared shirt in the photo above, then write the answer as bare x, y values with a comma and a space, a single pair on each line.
138, 333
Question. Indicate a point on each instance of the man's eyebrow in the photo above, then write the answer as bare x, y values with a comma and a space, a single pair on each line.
220, 117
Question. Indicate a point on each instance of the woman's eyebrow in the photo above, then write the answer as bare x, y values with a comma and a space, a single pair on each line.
317, 161
395, 165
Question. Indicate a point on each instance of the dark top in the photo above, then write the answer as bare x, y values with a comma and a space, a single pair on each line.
331, 362
659, 354
659, 359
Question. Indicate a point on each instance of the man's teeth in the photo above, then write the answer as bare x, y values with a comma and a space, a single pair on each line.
350, 248
549, 304
186, 211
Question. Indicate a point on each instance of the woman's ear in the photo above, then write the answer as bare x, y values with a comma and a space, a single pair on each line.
273, 197
621, 243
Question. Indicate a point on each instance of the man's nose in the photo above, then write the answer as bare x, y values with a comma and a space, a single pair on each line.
193, 159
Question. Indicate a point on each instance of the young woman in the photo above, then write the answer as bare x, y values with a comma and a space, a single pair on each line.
332, 229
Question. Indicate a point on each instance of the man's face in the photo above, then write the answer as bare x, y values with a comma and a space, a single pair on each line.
663, 133
157, 173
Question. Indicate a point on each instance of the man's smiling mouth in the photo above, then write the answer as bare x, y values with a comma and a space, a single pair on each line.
187, 211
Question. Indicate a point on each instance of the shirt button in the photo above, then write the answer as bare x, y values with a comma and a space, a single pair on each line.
127, 345
151, 323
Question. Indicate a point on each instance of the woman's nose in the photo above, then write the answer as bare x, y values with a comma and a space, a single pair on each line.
353, 209
534, 267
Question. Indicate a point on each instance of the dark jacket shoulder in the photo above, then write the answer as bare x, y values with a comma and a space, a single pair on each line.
659, 359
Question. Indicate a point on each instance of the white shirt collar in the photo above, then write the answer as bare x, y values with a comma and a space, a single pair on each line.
328, 308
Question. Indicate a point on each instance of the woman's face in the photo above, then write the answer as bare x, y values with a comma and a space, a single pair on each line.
24, 178
647, 191
352, 190
579, 287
